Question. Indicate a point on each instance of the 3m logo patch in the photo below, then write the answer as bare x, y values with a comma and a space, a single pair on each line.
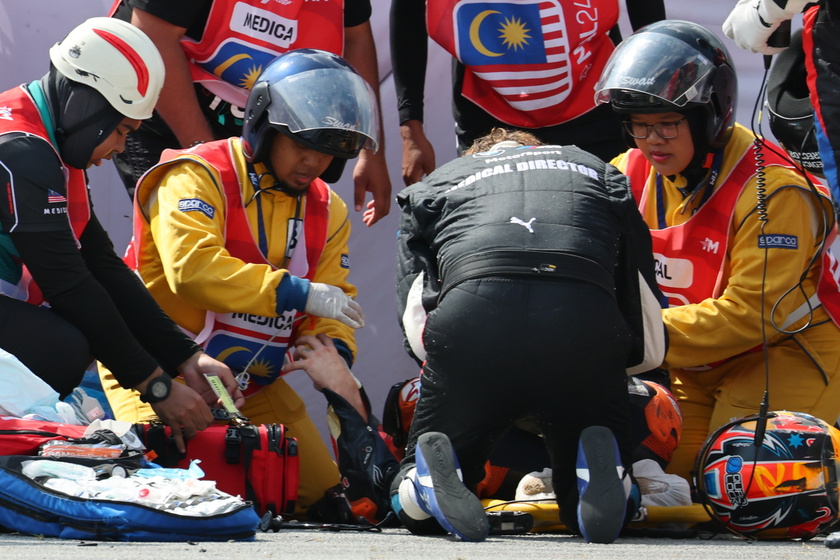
778, 241
345, 260
196, 205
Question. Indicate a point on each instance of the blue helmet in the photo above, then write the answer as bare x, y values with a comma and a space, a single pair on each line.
316, 98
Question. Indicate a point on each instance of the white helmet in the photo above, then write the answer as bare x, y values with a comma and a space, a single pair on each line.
116, 59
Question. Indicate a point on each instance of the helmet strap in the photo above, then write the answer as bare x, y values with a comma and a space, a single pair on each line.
256, 181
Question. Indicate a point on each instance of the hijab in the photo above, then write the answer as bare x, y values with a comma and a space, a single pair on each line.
83, 117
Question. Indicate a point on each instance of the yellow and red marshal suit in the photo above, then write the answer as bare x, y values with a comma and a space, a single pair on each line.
229, 258
730, 280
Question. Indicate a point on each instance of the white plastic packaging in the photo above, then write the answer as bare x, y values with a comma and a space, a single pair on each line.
58, 469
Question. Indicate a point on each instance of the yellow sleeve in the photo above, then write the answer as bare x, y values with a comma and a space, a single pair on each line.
196, 264
719, 328
334, 269
620, 161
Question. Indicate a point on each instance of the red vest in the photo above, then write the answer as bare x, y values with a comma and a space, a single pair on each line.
829, 285
240, 339
242, 36
690, 256
529, 63
24, 116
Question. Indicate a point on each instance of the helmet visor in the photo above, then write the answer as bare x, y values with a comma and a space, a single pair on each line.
326, 99
656, 65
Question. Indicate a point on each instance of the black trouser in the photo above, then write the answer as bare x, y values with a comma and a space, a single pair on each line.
53, 349
503, 349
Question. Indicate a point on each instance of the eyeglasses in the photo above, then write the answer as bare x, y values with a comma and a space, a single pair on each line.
665, 130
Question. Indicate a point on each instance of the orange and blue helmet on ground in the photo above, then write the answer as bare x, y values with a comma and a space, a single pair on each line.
781, 487
655, 421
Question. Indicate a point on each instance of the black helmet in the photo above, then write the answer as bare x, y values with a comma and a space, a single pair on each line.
316, 98
673, 65
789, 105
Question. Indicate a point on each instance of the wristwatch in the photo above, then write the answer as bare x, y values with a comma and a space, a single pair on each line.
157, 389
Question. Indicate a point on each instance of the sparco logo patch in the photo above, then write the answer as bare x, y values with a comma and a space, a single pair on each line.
196, 205
777, 241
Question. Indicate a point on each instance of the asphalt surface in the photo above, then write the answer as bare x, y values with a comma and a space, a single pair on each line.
399, 543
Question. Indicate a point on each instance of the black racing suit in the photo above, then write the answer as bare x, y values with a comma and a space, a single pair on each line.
531, 261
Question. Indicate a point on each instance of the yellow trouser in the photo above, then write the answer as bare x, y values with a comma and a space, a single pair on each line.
277, 403
710, 399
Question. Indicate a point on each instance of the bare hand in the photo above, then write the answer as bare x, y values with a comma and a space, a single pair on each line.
418, 154
193, 371
371, 175
318, 357
185, 412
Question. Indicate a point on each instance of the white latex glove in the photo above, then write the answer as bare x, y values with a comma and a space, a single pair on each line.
331, 302
751, 22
